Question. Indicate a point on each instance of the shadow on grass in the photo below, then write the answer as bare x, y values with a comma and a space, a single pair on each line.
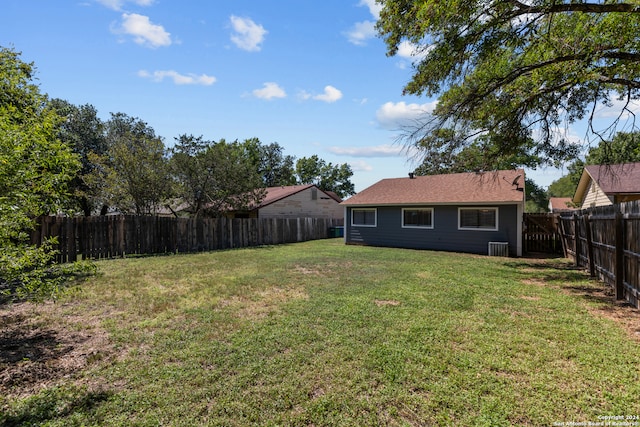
32, 353
571, 279
549, 270
20, 341
56, 404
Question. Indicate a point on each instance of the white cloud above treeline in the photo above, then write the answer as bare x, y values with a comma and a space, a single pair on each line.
270, 90
374, 7
360, 32
179, 79
143, 31
118, 4
247, 34
360, 166
330, 94
374, 151
395, 115
384, 150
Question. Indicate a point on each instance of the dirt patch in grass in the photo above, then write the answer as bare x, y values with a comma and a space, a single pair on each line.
261, 304
37, 349
382, 303
306, 271
534, 282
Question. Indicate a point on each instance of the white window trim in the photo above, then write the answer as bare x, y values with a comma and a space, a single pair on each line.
420, 227
375, 217
497, 210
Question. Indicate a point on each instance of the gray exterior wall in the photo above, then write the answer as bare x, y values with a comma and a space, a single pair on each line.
444, 236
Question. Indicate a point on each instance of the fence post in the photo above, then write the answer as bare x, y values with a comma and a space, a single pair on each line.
587, 232
563, 236
619, 269
576, 240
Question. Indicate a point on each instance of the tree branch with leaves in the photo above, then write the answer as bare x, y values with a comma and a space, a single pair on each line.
512, 71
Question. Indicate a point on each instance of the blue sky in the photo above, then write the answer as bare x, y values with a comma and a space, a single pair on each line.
309, 75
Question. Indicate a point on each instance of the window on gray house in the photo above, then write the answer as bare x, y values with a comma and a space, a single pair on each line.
417, 218
364, 217
478, 218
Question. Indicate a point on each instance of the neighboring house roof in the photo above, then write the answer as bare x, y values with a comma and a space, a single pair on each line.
618, 179
461, 188
557, 204
274, 194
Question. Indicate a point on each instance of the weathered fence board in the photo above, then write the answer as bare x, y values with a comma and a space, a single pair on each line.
121, 235
540, 233
606, 241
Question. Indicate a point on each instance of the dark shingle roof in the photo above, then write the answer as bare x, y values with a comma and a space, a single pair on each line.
616, 179
459, 188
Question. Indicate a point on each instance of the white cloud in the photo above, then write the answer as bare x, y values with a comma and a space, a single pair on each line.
118, 4
365, 30
385, 150
179, 79
360, 166
617, 109
395, 115
361, 32
144, 32
374, 7
269, 91
248, 35
331, 94
304, 95
411, 51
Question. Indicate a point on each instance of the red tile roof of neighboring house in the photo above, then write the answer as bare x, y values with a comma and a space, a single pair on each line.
561, 204
459, 188
278, 193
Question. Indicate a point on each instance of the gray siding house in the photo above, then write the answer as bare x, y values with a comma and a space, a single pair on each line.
465, 212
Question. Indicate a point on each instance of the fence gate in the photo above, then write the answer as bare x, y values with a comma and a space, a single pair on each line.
540, 233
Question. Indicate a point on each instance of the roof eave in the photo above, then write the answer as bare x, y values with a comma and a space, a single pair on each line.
582, 187
481, 203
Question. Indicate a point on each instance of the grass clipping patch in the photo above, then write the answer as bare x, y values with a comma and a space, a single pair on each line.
263, 303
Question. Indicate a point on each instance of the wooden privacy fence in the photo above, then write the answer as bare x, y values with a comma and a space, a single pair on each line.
540, 233
116, 236
606, 241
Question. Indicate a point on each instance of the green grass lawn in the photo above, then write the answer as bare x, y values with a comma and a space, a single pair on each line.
323, 334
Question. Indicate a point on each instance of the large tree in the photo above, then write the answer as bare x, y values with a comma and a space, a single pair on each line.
274, 167
327, 176
84, 132
624, 147
133, 174
35, 171
214, 177
511, 70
